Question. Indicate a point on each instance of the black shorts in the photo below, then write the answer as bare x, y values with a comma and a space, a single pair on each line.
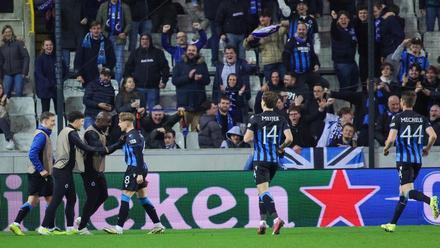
38, 185
129, 182
408, 172
264, 171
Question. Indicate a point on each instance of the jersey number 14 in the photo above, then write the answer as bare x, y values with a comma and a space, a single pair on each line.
408, 135
272, 134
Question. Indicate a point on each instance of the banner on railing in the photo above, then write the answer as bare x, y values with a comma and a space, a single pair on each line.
324, 158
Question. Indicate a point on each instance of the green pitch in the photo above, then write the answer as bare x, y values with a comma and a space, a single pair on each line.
405, 236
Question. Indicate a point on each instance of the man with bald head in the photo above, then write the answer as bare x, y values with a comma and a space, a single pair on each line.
95, 184
383, 121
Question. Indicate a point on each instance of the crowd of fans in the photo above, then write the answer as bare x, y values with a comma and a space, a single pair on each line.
285, 37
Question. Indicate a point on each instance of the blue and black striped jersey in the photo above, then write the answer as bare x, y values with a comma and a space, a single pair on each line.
268, 128
411, 130
133, 149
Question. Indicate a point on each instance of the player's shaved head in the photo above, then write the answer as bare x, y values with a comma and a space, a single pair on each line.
103, 119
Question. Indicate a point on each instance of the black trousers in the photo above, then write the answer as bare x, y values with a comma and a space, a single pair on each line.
63, 187
45, 104
95, 186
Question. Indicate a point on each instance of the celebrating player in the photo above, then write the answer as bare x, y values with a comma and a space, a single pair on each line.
408, 130
266, 130
134, 178
67, 144
95, 184
39, 177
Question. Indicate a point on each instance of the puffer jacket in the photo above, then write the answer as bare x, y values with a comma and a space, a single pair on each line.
14, 58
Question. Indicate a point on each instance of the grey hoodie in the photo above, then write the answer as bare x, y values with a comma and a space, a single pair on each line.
210, 134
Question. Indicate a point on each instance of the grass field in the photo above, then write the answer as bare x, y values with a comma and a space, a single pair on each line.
353, 237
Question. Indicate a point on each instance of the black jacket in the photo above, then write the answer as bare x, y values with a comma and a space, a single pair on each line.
382, 127
344, 43
392, 35
436, 125
96, 93
14, 58
139, 9
154, 138
148, 67
190, 93
301, 135
86, 60
72, 31
123, 102
45, 80
210, 9
232, 17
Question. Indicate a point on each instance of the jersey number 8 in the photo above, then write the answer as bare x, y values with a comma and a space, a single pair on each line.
417, 134
272, 134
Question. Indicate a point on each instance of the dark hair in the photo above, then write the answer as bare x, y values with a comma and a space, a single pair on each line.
416, 41
42, 45
344, 110
8, 27
46, 115
231, 74
433, 69
74, 115
362, 7
171, 131
95, 23
231, 47
266, 13
224, 98
206, 105
385, 64
417, 66
127, 96
318, 84
294, 108
290, 74
270, 98
343, 12
409, 98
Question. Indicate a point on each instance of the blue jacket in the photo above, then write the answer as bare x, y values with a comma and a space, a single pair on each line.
176, 51
45, 80
190, 93
37, 147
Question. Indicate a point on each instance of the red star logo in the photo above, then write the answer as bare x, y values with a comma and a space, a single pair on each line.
340, 200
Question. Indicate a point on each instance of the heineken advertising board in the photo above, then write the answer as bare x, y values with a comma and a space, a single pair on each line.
185, 200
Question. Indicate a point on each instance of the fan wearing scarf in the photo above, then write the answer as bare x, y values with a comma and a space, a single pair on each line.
95, 52
116, 18
269, 39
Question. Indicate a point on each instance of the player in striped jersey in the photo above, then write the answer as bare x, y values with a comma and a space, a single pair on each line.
134, 178
408, 130
266, 131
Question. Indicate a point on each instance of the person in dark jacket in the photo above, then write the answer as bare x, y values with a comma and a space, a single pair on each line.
224, 117
344, 43
5, 124
425, 90
178, 51
98, 96
302, 136
190, 77
235, 65
141, 22
313, 114
343, 5
155, 125
149, 68
294, 91
169, 140
73, 27
129, 99
434, 118
45, 80
360, 24
236, 97
233, 23
299, 56
210, 134
89, 10
14, 62
275, 84
346, 139
95, 52
382, 127
210, 11
234, 139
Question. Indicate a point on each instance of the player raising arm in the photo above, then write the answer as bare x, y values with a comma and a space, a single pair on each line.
408, 130
266, 131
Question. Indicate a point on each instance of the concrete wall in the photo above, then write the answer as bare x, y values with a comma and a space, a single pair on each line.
193, 160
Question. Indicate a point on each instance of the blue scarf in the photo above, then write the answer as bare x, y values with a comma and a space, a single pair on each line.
377, 35
255, 7
45, 5
114, 18
87, 43
230, 121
